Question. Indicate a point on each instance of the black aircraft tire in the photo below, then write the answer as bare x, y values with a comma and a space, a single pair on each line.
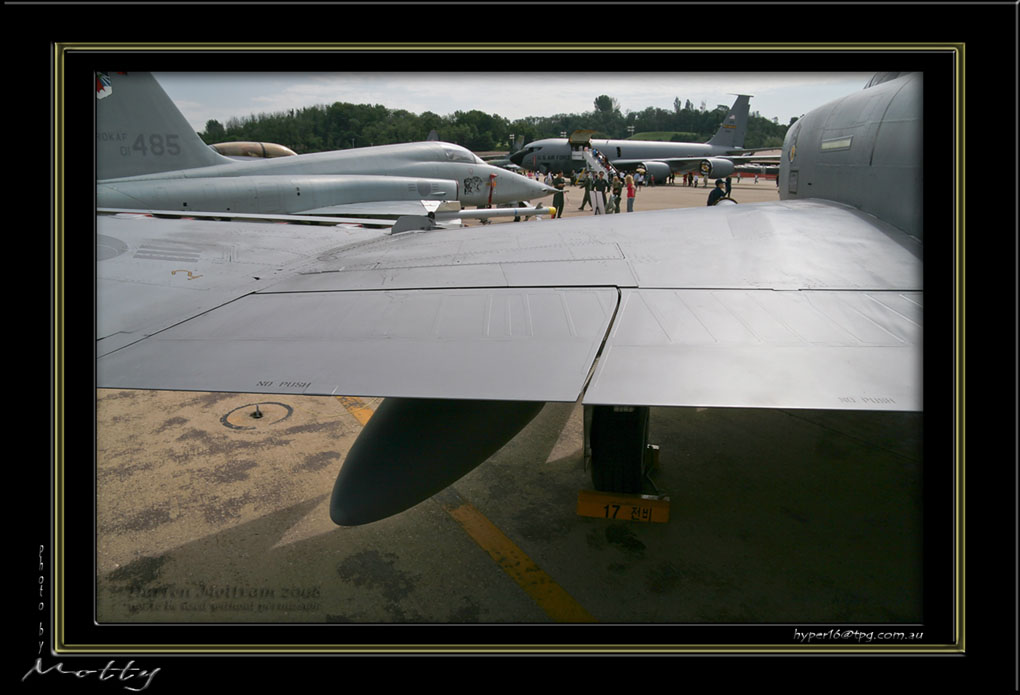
619, 438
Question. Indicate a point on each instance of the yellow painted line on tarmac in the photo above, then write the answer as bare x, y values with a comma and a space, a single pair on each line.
356, 407
550, 596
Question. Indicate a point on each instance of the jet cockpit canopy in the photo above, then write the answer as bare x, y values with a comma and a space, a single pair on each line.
456, 153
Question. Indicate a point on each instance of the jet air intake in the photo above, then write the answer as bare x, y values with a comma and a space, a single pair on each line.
716, 168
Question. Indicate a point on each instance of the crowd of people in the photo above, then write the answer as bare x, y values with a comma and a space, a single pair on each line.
605, 188
604, 195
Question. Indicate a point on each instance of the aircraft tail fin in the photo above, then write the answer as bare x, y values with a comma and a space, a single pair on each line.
734, 127
140, 131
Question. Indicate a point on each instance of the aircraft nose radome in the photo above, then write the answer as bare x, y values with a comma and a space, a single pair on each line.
541, 187
517, 157
524, 188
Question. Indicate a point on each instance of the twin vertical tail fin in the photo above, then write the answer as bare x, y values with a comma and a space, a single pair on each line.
140, 131
734, 127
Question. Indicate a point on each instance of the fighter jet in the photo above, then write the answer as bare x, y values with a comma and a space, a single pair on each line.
149, 157
813, 302
715, 158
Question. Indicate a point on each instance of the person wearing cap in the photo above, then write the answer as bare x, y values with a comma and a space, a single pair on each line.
599, 193
558, 183
587, 190
718, 192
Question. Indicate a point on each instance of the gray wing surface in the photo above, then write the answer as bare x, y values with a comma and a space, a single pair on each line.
795, 304
761, 348
152, 273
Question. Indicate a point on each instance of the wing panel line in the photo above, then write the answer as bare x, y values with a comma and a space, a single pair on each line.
602, 345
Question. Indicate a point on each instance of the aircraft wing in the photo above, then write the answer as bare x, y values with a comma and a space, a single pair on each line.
794, 304
153, 273
691, 163
737, 151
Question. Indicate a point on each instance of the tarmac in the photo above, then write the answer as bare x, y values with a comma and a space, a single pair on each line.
206, 514
669, 196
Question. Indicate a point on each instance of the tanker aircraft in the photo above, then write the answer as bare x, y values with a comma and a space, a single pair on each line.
813, 301
148, 157
716, 158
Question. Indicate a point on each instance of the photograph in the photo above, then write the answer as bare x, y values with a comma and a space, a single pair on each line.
457, 353
767, 353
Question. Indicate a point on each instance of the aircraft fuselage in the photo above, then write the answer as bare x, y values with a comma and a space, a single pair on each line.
556, 153
420, 171
865, 150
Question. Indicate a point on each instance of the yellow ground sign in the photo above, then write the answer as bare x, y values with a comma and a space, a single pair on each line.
620, 506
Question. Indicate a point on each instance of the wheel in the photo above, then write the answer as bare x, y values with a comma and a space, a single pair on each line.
619, 437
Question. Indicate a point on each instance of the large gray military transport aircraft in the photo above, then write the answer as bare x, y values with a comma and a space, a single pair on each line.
812, 302
148, 157
717, 158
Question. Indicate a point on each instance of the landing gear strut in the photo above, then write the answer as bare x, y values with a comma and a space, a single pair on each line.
615, 443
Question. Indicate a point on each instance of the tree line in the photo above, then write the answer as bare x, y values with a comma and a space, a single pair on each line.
343, 125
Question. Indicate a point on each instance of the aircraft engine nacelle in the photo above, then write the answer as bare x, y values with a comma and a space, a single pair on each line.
716, 168
659, 170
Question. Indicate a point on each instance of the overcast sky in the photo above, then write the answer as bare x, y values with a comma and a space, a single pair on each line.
222, 96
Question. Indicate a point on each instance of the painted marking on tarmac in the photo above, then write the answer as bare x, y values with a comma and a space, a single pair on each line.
550, 596
357, 408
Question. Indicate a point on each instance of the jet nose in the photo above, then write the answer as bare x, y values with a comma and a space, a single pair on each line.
511, 187
518, 157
